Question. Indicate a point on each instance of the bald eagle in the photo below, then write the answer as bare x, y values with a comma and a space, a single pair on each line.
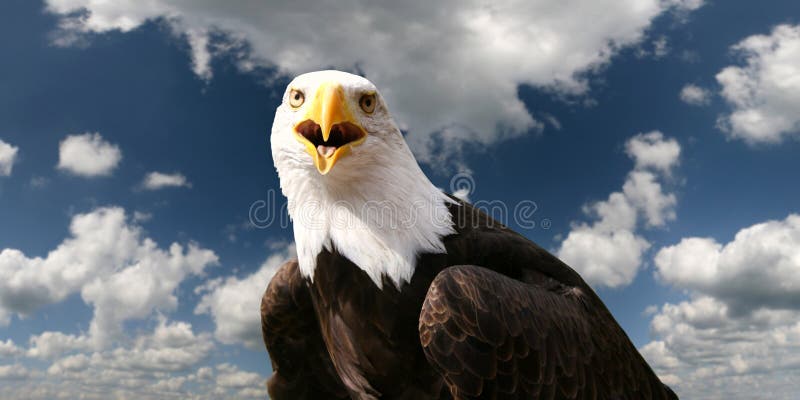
400, 291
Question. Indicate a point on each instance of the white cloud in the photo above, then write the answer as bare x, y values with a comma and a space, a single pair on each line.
13, 372
124, 276
235, 303
88, 155
759, 268
253, 392
695, 95
694, 261
172, 347
201, 56
153, 365
708, 352
738, 336
243, 383
170, 385
159, 180
50, 344
660, 47
646, 194
765, 92
8, 154
468, 57
607, 258
658, 353
69, 364
609, 252
117, 270
228, 376
9, 349
651, 150
137, 290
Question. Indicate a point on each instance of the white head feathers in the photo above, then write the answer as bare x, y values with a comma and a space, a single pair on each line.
375, 206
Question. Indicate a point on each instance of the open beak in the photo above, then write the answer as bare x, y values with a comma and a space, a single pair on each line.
329, 130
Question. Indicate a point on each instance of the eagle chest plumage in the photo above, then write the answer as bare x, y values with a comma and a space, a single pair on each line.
371, 334
465, 329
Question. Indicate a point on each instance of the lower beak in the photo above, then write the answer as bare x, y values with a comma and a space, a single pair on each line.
329, 131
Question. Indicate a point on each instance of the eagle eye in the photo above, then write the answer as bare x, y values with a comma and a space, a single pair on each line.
367, 103
296, 98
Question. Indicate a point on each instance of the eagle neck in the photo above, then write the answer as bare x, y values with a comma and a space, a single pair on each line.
378, 213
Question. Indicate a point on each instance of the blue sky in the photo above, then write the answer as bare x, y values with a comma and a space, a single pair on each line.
192, 97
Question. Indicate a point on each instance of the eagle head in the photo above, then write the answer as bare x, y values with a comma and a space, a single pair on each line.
330, 121
351, 181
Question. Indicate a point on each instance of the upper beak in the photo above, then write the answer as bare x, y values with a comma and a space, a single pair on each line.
329, 129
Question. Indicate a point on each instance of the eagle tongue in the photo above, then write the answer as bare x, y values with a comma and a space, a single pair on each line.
325, 151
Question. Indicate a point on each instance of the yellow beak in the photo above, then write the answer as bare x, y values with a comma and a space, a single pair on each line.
329, 129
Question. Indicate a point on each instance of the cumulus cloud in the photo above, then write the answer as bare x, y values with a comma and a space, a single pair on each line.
605, 258
764, 93
608, 252
234, 382
234, 303
144, 371
173, 346
695, 95
738, 335
706, 351
117, 270
152, 365
13, 372
461, 62
9, 349
645, 193
760, 267
88, 155
51, 344
70, 364
8, 154
125, 276
651, 150
229, 376
159, 180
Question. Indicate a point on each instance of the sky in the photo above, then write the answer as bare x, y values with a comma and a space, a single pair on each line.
141, 216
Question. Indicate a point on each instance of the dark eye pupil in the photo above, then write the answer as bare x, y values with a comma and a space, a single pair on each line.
297, 96
368, 102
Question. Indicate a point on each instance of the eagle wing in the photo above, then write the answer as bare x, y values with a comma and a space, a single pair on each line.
494, 337
301, 365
